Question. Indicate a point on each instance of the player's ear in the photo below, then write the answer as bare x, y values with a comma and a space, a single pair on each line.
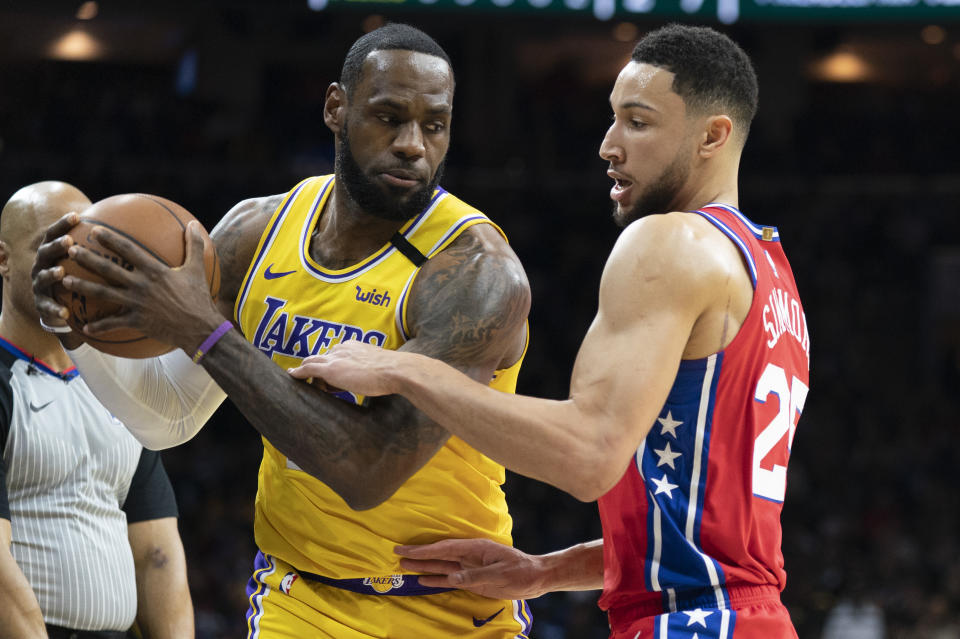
716, 133
335, 107
4, 259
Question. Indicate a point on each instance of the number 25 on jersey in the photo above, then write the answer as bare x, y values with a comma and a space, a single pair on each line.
771, 483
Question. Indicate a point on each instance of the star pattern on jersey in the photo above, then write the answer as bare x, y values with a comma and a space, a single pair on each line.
669, 425
697, 616
666, 456
664, 486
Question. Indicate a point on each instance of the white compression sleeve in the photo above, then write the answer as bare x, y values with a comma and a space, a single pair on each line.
163, 401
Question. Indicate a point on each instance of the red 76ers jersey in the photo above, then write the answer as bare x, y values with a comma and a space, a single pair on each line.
698, 509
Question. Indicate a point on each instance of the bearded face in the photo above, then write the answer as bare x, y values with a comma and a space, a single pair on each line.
372, 194
659, 196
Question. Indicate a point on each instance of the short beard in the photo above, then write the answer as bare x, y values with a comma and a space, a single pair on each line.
370, 197
659, 197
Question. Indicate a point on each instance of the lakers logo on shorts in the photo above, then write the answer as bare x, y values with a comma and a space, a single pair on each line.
383, 584
287, 583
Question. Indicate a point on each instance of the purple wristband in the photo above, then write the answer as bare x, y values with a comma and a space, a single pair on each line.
210, 341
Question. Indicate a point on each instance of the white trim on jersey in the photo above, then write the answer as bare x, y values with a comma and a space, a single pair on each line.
695, 480
262, 577
258, 258
755, 229
657, 546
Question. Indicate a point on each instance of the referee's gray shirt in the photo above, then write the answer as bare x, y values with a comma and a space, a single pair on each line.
70, 470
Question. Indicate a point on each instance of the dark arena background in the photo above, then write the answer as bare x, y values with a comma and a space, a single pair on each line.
853, 156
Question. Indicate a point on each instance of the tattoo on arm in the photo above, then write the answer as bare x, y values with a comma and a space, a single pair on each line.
363, 454
467, 307
236, 237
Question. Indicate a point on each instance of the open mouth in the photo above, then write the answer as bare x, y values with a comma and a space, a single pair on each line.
621, 188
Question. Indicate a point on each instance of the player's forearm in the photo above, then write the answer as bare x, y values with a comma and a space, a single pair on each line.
163, 401
329, 438
553, 441
579, 567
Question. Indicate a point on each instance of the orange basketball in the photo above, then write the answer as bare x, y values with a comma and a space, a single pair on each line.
158, 226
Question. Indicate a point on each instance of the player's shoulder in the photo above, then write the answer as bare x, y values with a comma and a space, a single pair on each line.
250, 215
674, 249
449, 201
681, 239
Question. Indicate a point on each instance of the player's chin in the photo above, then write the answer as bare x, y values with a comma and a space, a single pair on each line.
622, 216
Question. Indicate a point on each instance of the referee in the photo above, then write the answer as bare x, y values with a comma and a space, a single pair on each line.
88, 529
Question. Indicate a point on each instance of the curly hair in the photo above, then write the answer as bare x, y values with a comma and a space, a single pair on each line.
710, 70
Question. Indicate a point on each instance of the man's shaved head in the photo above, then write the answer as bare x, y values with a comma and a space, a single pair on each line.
37, 206
23, 221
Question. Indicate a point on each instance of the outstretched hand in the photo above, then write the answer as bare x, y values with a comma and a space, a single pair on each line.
352, 365
481, 566
171, 304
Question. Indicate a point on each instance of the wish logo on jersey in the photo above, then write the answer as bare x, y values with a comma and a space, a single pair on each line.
301, 336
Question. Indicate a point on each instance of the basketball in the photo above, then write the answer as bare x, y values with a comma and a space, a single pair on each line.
158, 226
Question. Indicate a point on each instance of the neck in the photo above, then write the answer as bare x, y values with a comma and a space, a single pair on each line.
25, 333
346, 234
720, 187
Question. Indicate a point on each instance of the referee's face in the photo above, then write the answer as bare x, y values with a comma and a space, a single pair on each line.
25, 219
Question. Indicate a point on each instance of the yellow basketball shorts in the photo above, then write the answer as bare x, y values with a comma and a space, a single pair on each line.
285, 604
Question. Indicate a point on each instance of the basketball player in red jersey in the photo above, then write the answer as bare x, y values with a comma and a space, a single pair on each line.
686, 391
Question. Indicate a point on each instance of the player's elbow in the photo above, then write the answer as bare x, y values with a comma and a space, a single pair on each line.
360, 494
364, 498
593, 486
160, 436
599, 470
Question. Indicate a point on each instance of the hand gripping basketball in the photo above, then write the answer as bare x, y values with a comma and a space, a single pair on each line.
132, 295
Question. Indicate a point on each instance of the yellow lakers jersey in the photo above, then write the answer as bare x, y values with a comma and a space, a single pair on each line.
291, 307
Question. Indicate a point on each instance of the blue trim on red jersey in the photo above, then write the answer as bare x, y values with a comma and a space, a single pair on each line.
736, 239
673, 463
699, 623
752, 227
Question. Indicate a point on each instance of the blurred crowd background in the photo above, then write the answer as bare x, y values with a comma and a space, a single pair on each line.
853, 156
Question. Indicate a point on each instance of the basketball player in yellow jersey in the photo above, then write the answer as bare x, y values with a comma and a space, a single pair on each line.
376, 252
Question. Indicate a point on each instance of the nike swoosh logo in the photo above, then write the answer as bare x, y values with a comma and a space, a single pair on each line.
37, 409
270, 275
482, 622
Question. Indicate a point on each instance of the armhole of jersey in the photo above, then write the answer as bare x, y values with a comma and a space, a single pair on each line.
268, 232
6, 404
523, 353
401, 312
453, 233
738, 241
457, 230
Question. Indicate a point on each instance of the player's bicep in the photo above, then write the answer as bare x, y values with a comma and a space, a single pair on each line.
649, 302
469, 304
